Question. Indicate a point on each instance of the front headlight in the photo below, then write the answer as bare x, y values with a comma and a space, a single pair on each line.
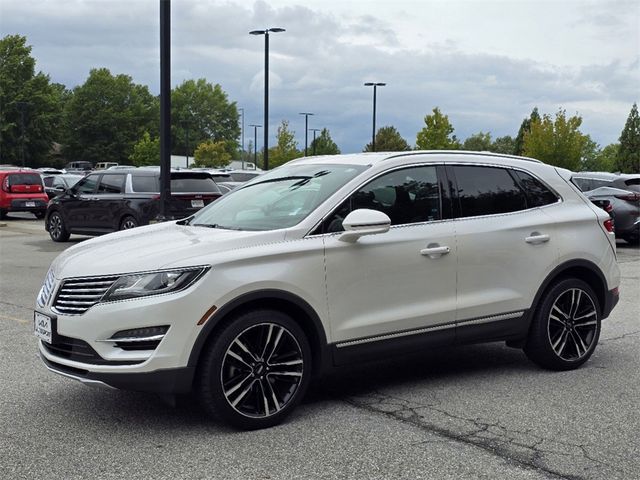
154, 283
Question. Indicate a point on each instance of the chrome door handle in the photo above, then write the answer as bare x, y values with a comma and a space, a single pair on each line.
435, 251
537, 238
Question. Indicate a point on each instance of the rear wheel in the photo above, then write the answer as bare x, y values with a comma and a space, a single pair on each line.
256, 370
40, 214
128, 222
566, 326
57, 229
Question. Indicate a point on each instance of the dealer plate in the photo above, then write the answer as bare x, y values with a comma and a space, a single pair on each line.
197, 203
29, 204
42, 326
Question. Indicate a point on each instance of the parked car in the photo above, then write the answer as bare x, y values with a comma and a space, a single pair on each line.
327, 261
226, 187
21, 190
55, 185
244, 175
111, 200
105, 165
623, 195
80, 166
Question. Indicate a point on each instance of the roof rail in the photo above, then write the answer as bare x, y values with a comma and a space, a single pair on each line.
462, 152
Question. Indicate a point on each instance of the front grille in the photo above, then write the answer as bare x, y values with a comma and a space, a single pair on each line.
46, 290
77, 295
78, 351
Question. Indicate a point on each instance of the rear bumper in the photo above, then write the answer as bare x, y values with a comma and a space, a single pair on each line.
26, 205
610, 301
170, 381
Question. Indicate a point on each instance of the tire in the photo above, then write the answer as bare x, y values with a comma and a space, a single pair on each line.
3, 214
57, 229
565, 327
238, 380
128, 222
40, 214
632, 239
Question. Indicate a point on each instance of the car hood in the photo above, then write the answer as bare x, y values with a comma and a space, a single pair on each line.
154, 247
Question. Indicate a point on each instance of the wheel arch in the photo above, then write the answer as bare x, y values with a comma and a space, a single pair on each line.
299, 310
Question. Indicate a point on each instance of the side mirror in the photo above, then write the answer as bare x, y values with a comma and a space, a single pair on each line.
364, 222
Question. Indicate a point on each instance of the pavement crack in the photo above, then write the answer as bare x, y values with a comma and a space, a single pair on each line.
524, 448
620, 337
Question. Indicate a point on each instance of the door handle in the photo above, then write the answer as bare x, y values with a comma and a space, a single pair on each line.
537, 238
435, 251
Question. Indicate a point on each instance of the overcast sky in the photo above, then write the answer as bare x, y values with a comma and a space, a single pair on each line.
486, 64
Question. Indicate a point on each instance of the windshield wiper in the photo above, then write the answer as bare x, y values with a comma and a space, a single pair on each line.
281, 179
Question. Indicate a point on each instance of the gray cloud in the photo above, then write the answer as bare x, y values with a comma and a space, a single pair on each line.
319, 65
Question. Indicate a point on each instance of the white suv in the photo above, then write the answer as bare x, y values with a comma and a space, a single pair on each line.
327, 261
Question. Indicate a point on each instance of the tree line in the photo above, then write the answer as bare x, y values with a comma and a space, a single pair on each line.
111, 118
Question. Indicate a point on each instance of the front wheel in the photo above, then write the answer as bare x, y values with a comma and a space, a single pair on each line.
57, 229
128, 222
256, 370
566, 326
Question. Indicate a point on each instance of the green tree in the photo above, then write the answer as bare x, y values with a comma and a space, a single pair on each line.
437, 133
478, 142
29, 96
205, 111
388, 139
106, 116
629, 153
212, 154
506, 145
525, 128
324, 144
286, 146
558, 142
146, 151
600, 160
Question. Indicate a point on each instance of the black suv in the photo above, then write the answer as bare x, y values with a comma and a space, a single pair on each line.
107, 201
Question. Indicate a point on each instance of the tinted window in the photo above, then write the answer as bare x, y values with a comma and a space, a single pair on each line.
243, 176
146, 183
487, 191
87, 184
633, 184
410, 195
537, 194
48, 181
186, 185
25, 179
111, 184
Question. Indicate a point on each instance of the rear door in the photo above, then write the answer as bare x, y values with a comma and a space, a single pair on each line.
107, 205
76, 206
505, 245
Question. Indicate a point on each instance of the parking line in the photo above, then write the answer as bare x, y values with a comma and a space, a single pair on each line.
19, 320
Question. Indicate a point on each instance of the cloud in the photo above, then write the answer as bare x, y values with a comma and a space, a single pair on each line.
320, 63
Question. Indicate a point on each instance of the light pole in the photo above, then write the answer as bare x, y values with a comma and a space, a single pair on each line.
314, 130
375, 85
266, 32
306, 130
242, 139
255, 143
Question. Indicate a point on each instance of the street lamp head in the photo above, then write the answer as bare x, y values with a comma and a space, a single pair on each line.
374, 84
276, 30
257, 32
306, 113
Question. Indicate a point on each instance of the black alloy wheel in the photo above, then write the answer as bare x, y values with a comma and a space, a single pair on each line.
57, 229
566, 327
256, 370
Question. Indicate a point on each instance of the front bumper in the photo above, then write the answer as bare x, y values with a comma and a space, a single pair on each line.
170, 381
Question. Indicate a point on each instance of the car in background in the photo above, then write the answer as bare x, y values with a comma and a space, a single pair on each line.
21, 190
79, 166
244, 175
620, 194
226, 187
105, 165
55, 185
111, 200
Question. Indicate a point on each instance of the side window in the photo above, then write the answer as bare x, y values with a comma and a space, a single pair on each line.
410, 195
537, 194
111, 184
87, 184
48, 181
58, 182
487, 191
145, 183
581, 183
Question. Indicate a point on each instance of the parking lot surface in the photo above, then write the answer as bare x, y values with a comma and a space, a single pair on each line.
480, 411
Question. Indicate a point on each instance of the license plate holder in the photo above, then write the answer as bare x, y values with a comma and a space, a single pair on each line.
43, 327
197, 203
29, 204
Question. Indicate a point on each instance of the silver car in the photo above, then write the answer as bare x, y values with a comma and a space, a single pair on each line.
623, 194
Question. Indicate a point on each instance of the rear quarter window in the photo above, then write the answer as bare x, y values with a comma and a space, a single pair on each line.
537, 193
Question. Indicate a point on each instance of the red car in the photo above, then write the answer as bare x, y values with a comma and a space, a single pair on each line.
21, 190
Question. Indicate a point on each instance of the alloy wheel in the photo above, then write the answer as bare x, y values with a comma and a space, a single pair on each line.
262, 370
573, 324
55, 225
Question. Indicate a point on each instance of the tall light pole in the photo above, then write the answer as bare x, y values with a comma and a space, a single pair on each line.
375, 86
266, 32
242, 139
306, 130
255, 143
314, 130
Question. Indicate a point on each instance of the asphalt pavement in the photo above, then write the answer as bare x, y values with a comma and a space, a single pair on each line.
480, 411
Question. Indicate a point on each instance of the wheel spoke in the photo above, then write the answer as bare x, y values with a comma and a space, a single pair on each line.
562, 335
237, 386
581, 348
264, 398
575, 302
266, 343
286, 374
275, 344
289, 363
245, 349
556, 319
555, 307
590, 314
276, 403
239, 358
242, 395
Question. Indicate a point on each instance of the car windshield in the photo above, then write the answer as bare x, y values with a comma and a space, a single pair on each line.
278, 199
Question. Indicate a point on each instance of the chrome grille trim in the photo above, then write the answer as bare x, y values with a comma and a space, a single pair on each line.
47, 289
77, 295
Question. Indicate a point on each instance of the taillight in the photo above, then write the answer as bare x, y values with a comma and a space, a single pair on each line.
155, 197
608, 225
629, 197
5, 185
